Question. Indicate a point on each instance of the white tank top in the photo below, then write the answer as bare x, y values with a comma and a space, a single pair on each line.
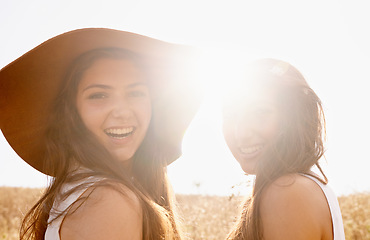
335, 212
52, 230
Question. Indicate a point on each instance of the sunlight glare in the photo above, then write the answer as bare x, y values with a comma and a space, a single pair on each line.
206, 156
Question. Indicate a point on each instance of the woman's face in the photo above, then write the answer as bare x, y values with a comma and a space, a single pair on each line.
114, 103
250, 127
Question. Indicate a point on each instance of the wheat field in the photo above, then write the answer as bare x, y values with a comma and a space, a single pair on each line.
204, 217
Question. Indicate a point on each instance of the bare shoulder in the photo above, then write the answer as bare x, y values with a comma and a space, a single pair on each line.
294, 207
104, 212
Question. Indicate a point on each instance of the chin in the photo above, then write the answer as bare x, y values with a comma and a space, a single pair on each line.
249, 172
248, 168
123, 157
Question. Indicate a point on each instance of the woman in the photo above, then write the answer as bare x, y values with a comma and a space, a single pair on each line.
274, 125
103, 112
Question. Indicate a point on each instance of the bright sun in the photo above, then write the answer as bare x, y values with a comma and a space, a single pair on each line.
206, 157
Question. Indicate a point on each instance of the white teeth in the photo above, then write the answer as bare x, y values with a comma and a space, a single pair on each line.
249, 150
119, 132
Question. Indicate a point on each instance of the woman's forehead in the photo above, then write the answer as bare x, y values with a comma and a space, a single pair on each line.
113, 71
251, 95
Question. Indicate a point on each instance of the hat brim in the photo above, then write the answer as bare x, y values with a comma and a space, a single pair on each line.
29, 85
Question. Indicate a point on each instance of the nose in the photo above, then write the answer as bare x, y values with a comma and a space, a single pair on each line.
243, 129
121, 108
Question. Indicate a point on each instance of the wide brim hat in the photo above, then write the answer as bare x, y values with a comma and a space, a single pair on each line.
29, 85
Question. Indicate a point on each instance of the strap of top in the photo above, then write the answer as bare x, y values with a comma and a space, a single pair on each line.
60, 205
335, 212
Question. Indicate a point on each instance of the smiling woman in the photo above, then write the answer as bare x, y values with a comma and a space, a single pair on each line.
274, 126
103, 126
113, 101
260, 117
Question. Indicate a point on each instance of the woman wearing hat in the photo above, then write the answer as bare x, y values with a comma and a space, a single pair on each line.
274, 125
103, 112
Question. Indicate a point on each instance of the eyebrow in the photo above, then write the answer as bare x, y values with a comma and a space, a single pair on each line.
137, 84
97, 86
109, 87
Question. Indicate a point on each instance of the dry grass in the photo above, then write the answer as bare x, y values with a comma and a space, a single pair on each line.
14, 204
356, 216
208, 217
205, 217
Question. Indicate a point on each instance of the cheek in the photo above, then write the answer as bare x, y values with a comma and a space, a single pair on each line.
87, 119
144, 113
228, 136
272, 129
91, 116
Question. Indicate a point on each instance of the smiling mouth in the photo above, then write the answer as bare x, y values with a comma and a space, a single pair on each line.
251, 150
119, 133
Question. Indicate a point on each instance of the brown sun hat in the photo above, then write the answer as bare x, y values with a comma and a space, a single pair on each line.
29, 85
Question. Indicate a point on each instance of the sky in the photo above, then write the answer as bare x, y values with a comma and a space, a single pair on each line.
327, 40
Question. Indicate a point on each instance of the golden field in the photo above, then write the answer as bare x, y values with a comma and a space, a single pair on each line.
205, 217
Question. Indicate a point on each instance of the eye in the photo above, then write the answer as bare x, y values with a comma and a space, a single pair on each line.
98, 95
137, 93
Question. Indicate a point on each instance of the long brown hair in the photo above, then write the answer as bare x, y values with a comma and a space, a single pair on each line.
69, 143
299, 145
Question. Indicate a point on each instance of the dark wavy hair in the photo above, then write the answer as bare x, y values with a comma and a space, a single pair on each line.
70, 143
299, 145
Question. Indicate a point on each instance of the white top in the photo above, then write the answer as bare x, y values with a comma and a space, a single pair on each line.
336, 215
52, 231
